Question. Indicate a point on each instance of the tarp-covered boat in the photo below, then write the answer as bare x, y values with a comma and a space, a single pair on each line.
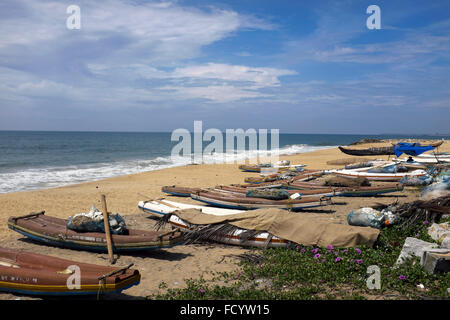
54, 231
36, 274
270, 227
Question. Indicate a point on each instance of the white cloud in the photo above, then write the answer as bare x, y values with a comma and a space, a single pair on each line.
260, 77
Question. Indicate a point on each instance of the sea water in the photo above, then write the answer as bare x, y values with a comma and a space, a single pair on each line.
31, 160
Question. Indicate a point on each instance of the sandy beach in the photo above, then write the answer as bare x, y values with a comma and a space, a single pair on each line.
171, 266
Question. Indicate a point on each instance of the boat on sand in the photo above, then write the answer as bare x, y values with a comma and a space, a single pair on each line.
53, 231
36, 274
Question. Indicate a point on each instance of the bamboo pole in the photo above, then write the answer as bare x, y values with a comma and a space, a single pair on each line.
107, 231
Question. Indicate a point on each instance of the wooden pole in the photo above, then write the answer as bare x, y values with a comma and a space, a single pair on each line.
107, 231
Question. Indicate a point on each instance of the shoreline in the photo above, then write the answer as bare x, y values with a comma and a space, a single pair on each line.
171, 266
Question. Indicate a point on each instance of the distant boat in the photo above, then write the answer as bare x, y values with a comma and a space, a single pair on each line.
368, 152
36, 274
380, 151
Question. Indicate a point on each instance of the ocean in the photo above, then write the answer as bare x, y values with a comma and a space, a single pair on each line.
31, 160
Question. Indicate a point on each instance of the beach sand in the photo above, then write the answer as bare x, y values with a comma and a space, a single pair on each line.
171, 266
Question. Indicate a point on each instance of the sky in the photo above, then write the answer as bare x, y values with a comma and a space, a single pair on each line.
297, 66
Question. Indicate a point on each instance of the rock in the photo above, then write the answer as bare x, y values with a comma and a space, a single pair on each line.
440, 233
435, 261
414, 247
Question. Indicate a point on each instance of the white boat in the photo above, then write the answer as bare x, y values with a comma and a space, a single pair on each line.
426, 160
378, 176
162, 207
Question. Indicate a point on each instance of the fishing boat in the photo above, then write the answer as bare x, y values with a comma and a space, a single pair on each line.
368, 152
242, 202
378, 176
162, 207
308, 189
271, 169
303, 176
236, 236
324, 191
36, 274
53, 231
179, 191
380, 151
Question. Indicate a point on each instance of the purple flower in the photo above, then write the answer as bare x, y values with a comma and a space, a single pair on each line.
358, 251
338, 259
359, 261
315, 250
297, 247
402, 277
286, 274
323, 260
426, 222
254, 274
303, 250
201, 290
317, 256
330, 247
346, 250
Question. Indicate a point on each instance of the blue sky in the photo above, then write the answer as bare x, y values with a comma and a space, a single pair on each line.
297, 66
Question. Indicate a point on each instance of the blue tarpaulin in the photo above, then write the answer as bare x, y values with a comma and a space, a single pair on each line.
412, 149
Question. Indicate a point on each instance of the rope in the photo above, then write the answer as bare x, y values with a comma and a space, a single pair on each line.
102, 287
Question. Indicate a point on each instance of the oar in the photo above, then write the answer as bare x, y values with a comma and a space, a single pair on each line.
107, 231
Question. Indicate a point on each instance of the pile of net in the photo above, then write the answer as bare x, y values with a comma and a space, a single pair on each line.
93, 222
408, 214
337, 181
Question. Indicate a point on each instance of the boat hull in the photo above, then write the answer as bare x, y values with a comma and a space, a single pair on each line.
53, 231
37, 274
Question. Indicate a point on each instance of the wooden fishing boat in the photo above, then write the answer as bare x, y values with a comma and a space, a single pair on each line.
305, 175
308, 189
162, 207
378, 176
368, 152
234, 237
242, 202
324, 191
270, 169
53, 231
36, 274
360, 191
378, 151
179, 191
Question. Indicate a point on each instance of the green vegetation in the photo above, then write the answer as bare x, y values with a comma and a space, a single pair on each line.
323, 273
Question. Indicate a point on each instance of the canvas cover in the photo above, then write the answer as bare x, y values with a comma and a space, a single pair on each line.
295, 227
